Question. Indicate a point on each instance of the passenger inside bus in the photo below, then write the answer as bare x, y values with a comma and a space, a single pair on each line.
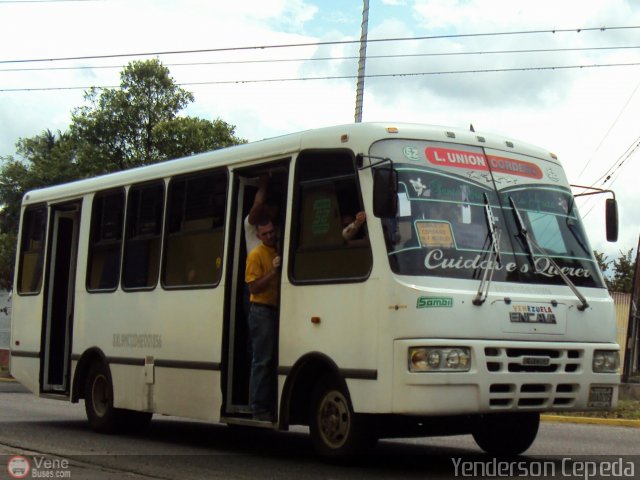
264, 205
262, 275
352, 231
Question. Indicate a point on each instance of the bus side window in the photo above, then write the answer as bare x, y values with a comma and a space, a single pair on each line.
143, 236
327, 191
105, 244
194, 235
34, 225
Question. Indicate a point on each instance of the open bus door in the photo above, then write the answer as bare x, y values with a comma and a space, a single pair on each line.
60, 287
237, 347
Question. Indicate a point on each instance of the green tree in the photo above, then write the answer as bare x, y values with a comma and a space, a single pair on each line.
115, 129
619, 277
7, 256
623, 270
185, 136
133, 125
603, 264
43, 160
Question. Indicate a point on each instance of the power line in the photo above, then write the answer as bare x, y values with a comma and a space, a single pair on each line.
317, 44
315, 59
614, 170
617, 163
624, 107
347, 77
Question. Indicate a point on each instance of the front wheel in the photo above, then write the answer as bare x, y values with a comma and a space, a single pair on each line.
505, 434
336, 431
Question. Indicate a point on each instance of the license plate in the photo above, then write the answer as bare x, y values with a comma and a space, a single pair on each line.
600, 397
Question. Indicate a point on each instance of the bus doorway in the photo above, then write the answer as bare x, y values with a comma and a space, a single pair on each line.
58, 315
237, 352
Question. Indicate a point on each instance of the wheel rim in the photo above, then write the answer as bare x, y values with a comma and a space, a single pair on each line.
101, 395
334, 419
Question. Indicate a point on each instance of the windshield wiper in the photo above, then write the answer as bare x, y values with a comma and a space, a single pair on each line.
494, 257
522, 230
493, 228
530, 243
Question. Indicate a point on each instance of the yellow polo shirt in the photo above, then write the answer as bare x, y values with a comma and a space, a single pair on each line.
259, 263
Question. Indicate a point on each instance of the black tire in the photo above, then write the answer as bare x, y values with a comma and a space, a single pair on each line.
507, 434
98, 403
336, 431
98, 400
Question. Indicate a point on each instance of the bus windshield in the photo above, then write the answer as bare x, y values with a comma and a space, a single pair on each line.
442, 228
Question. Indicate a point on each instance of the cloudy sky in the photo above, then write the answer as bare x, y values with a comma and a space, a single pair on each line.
561, 74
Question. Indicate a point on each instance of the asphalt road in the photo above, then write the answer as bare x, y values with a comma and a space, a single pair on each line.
54, 438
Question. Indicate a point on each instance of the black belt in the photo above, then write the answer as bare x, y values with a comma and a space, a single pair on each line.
264, 305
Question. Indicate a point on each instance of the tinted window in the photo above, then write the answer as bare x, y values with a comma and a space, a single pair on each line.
34, 225
143, 236
105, 244
328, 199
195, 230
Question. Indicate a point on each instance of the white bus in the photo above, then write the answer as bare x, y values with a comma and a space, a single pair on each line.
471, 303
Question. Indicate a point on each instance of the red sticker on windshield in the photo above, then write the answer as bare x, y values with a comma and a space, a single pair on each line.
446, 157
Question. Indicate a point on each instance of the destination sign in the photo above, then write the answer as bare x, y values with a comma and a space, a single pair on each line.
448, 157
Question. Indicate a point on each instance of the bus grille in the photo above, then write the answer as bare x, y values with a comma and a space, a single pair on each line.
534, 395
535, 360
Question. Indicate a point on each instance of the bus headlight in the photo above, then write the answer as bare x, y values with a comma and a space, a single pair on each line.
606, 361
439, 359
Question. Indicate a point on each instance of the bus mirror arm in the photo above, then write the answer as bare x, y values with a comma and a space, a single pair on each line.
380, 160
611, 210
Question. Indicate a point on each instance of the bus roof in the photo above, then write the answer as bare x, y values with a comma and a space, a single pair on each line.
357, 137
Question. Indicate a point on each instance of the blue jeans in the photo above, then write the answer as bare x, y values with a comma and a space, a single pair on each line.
263, 330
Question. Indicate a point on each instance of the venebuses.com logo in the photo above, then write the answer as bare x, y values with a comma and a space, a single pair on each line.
19, 466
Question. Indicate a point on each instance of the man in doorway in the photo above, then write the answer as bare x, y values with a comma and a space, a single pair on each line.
264, 205
262, 275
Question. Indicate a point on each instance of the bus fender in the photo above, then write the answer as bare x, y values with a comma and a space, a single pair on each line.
88, 358
299, 386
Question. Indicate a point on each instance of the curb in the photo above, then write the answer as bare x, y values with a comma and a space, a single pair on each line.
615, 422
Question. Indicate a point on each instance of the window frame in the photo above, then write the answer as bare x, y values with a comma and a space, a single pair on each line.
214, 172
42, 251
92, 243
127, 239
297, 212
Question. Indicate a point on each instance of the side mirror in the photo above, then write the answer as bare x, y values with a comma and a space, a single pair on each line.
611, 217
385, 192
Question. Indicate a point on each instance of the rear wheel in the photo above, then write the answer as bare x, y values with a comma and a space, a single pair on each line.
336, 431
507, 434
98, 400
98, 403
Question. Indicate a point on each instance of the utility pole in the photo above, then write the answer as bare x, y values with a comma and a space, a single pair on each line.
362, 60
